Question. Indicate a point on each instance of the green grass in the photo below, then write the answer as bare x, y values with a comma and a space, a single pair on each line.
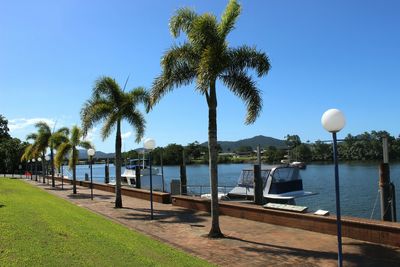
39, 229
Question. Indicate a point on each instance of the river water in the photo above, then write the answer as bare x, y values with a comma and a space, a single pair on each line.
358, 184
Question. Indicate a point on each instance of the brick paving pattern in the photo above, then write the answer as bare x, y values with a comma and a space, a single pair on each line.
247, 243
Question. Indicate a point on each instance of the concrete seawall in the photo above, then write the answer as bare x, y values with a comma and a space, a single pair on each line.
386, 233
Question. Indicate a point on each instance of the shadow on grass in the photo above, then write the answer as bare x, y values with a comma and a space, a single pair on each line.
370, 254
167, 216
2, 206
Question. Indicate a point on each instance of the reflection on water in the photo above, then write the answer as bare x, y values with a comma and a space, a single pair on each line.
358, 183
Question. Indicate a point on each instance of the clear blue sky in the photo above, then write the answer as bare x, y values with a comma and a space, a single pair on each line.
324, 54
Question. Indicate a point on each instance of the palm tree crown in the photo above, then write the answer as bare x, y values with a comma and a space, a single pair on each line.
70, 146
110, 104
205, 57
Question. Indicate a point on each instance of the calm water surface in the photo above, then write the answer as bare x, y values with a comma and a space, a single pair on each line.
358, 184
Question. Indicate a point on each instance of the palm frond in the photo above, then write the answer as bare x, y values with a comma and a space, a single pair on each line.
93, 111
62, 151
63, 130
74, 156
27, 155
204, 32
108, 125
138, 95
86, 144
31, 136
182, 21
228, 18
179, 69
136, 119
108, 88
42, 125
245, 88
245, 57
76, 135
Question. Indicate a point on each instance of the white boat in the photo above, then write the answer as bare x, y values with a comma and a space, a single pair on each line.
129, 175
281, 184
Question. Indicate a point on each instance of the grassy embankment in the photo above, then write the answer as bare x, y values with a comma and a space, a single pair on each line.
39, 229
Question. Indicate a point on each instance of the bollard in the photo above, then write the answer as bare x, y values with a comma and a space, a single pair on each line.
384, 185
86, 177
258, 186
137, 175
107, 174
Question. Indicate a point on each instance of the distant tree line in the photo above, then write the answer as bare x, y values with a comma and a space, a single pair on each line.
366, 146
11, 149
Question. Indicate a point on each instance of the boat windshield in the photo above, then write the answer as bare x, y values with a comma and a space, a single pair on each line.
246, 178
285, 175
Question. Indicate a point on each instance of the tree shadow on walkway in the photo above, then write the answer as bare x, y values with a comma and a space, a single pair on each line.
370, 254
167, 216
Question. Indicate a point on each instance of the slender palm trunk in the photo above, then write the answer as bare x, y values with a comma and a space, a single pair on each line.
215, 231
73, 171
52, 166
43, 167
118, 197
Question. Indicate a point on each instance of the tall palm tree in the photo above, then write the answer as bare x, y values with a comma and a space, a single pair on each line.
46, 138
111, 104
205, 58
70, 146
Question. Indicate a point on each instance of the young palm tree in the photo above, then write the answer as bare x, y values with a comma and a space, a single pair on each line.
205, 58
48, 139
70, 146
111, 104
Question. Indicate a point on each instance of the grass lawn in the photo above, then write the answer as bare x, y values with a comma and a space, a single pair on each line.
39, 229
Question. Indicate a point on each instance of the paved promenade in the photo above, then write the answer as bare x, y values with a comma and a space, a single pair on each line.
247, 243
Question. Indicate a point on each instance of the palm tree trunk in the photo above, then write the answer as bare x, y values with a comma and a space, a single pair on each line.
44, 167
215, 231
118, 197
52, 166
73, 171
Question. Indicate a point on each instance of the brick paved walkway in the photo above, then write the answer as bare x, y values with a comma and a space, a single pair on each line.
247, 243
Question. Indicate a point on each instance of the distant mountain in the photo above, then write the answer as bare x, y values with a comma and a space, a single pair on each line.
263, 141
98, 155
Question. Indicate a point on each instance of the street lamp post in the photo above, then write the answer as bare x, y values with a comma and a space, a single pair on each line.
47, 162
150, 144
333, 121
91, 153
40, 160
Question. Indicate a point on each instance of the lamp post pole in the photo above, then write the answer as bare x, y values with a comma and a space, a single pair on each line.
338, 215
333, 121
151, 188
47, 167
150, 144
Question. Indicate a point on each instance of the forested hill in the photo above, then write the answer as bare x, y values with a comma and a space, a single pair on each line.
263, 141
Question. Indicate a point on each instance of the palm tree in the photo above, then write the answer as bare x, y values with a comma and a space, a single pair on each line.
70, 146
48, 139
111, 104
205, 58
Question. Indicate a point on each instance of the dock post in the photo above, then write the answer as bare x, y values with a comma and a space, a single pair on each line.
258, 185
137, 175
384, 184
183, 175
107, 173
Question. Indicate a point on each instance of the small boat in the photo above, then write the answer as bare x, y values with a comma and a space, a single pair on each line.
281, 184
129, 175
298, 164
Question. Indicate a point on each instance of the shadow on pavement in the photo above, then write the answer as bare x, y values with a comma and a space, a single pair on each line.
167, 216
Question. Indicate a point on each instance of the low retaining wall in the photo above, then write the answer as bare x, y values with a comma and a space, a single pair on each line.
160, 197
386, 233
